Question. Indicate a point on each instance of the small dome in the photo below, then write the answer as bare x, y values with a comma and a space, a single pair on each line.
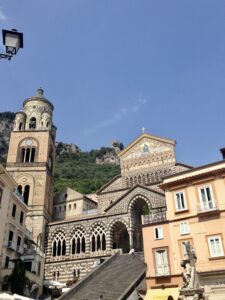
39, 97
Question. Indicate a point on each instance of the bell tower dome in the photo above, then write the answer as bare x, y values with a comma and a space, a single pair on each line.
31, 160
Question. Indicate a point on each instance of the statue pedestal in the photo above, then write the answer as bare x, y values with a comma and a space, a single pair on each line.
191, 294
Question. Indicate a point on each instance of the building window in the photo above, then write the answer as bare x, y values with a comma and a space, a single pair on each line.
158, 232
32, 124
206, 198
14, 211
161, 262
215, 246
21, 218
74, 206
184, 228
20, 126
6, 262
19, 189
28, 154
78, 242
10, 240
180, 201
26, 194
98, 240
18, 243
59, 245
1, 193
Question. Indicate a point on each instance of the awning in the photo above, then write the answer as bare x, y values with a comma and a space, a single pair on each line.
162, 294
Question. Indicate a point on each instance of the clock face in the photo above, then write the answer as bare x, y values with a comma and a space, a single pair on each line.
29, 142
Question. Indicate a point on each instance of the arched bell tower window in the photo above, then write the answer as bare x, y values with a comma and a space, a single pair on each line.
32, 124
26, 194
28, 150
28, 154
19, 189
20, 126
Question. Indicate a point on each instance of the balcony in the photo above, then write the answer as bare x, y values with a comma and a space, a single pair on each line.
207, 210
154, 217
20, 249
11, 245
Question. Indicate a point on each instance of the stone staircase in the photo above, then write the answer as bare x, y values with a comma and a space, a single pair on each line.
114, 279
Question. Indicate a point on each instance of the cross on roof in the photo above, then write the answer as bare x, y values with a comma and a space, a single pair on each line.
143, 129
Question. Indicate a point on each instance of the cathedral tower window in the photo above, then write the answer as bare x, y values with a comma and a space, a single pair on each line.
98, 240
32, 124
59, 245
28, 154
26, 193
20, 126
19, 189
78, 242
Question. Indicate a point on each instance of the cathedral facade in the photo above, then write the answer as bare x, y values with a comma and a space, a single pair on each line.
78, 231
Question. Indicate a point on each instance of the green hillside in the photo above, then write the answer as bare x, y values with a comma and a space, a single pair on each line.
79, 170
84, 171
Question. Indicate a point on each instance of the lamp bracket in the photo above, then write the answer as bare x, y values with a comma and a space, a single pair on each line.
7, 56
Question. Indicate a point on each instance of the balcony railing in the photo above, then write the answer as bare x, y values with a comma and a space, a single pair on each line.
20, 249
207, 210
11, 245
154, 217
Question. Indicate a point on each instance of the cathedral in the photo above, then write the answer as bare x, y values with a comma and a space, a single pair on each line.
77, 232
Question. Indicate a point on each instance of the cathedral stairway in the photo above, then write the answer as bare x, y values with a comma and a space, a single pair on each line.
116, 278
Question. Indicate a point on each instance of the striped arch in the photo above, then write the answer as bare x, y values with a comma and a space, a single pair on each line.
98, 237
119, 236
77, 239
76, 227
98, 223
56, 231
135, 199
58, 242
113, 223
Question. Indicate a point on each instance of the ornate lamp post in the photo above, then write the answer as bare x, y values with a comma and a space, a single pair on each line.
13, 41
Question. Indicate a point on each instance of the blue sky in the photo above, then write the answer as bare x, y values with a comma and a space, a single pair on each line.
112, 67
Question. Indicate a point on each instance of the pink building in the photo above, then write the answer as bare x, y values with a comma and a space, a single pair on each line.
195, 213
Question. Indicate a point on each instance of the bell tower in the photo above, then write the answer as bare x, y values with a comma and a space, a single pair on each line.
31, 161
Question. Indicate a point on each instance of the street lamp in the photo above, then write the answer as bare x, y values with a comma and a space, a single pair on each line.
13, 40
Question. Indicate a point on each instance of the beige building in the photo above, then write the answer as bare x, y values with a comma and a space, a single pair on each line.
12, 225
69, 203
30, 161
195, 213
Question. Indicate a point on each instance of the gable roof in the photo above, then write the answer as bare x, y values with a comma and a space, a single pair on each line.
146, 135
130, 190
108, 184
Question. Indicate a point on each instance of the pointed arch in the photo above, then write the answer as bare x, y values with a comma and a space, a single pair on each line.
77, 241
98, 237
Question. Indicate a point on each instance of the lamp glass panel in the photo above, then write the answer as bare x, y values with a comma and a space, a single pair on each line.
12, 40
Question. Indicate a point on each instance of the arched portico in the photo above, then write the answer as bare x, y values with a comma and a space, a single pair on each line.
136, 209
119, 236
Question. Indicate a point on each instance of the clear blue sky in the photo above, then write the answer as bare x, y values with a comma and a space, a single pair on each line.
112, 67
